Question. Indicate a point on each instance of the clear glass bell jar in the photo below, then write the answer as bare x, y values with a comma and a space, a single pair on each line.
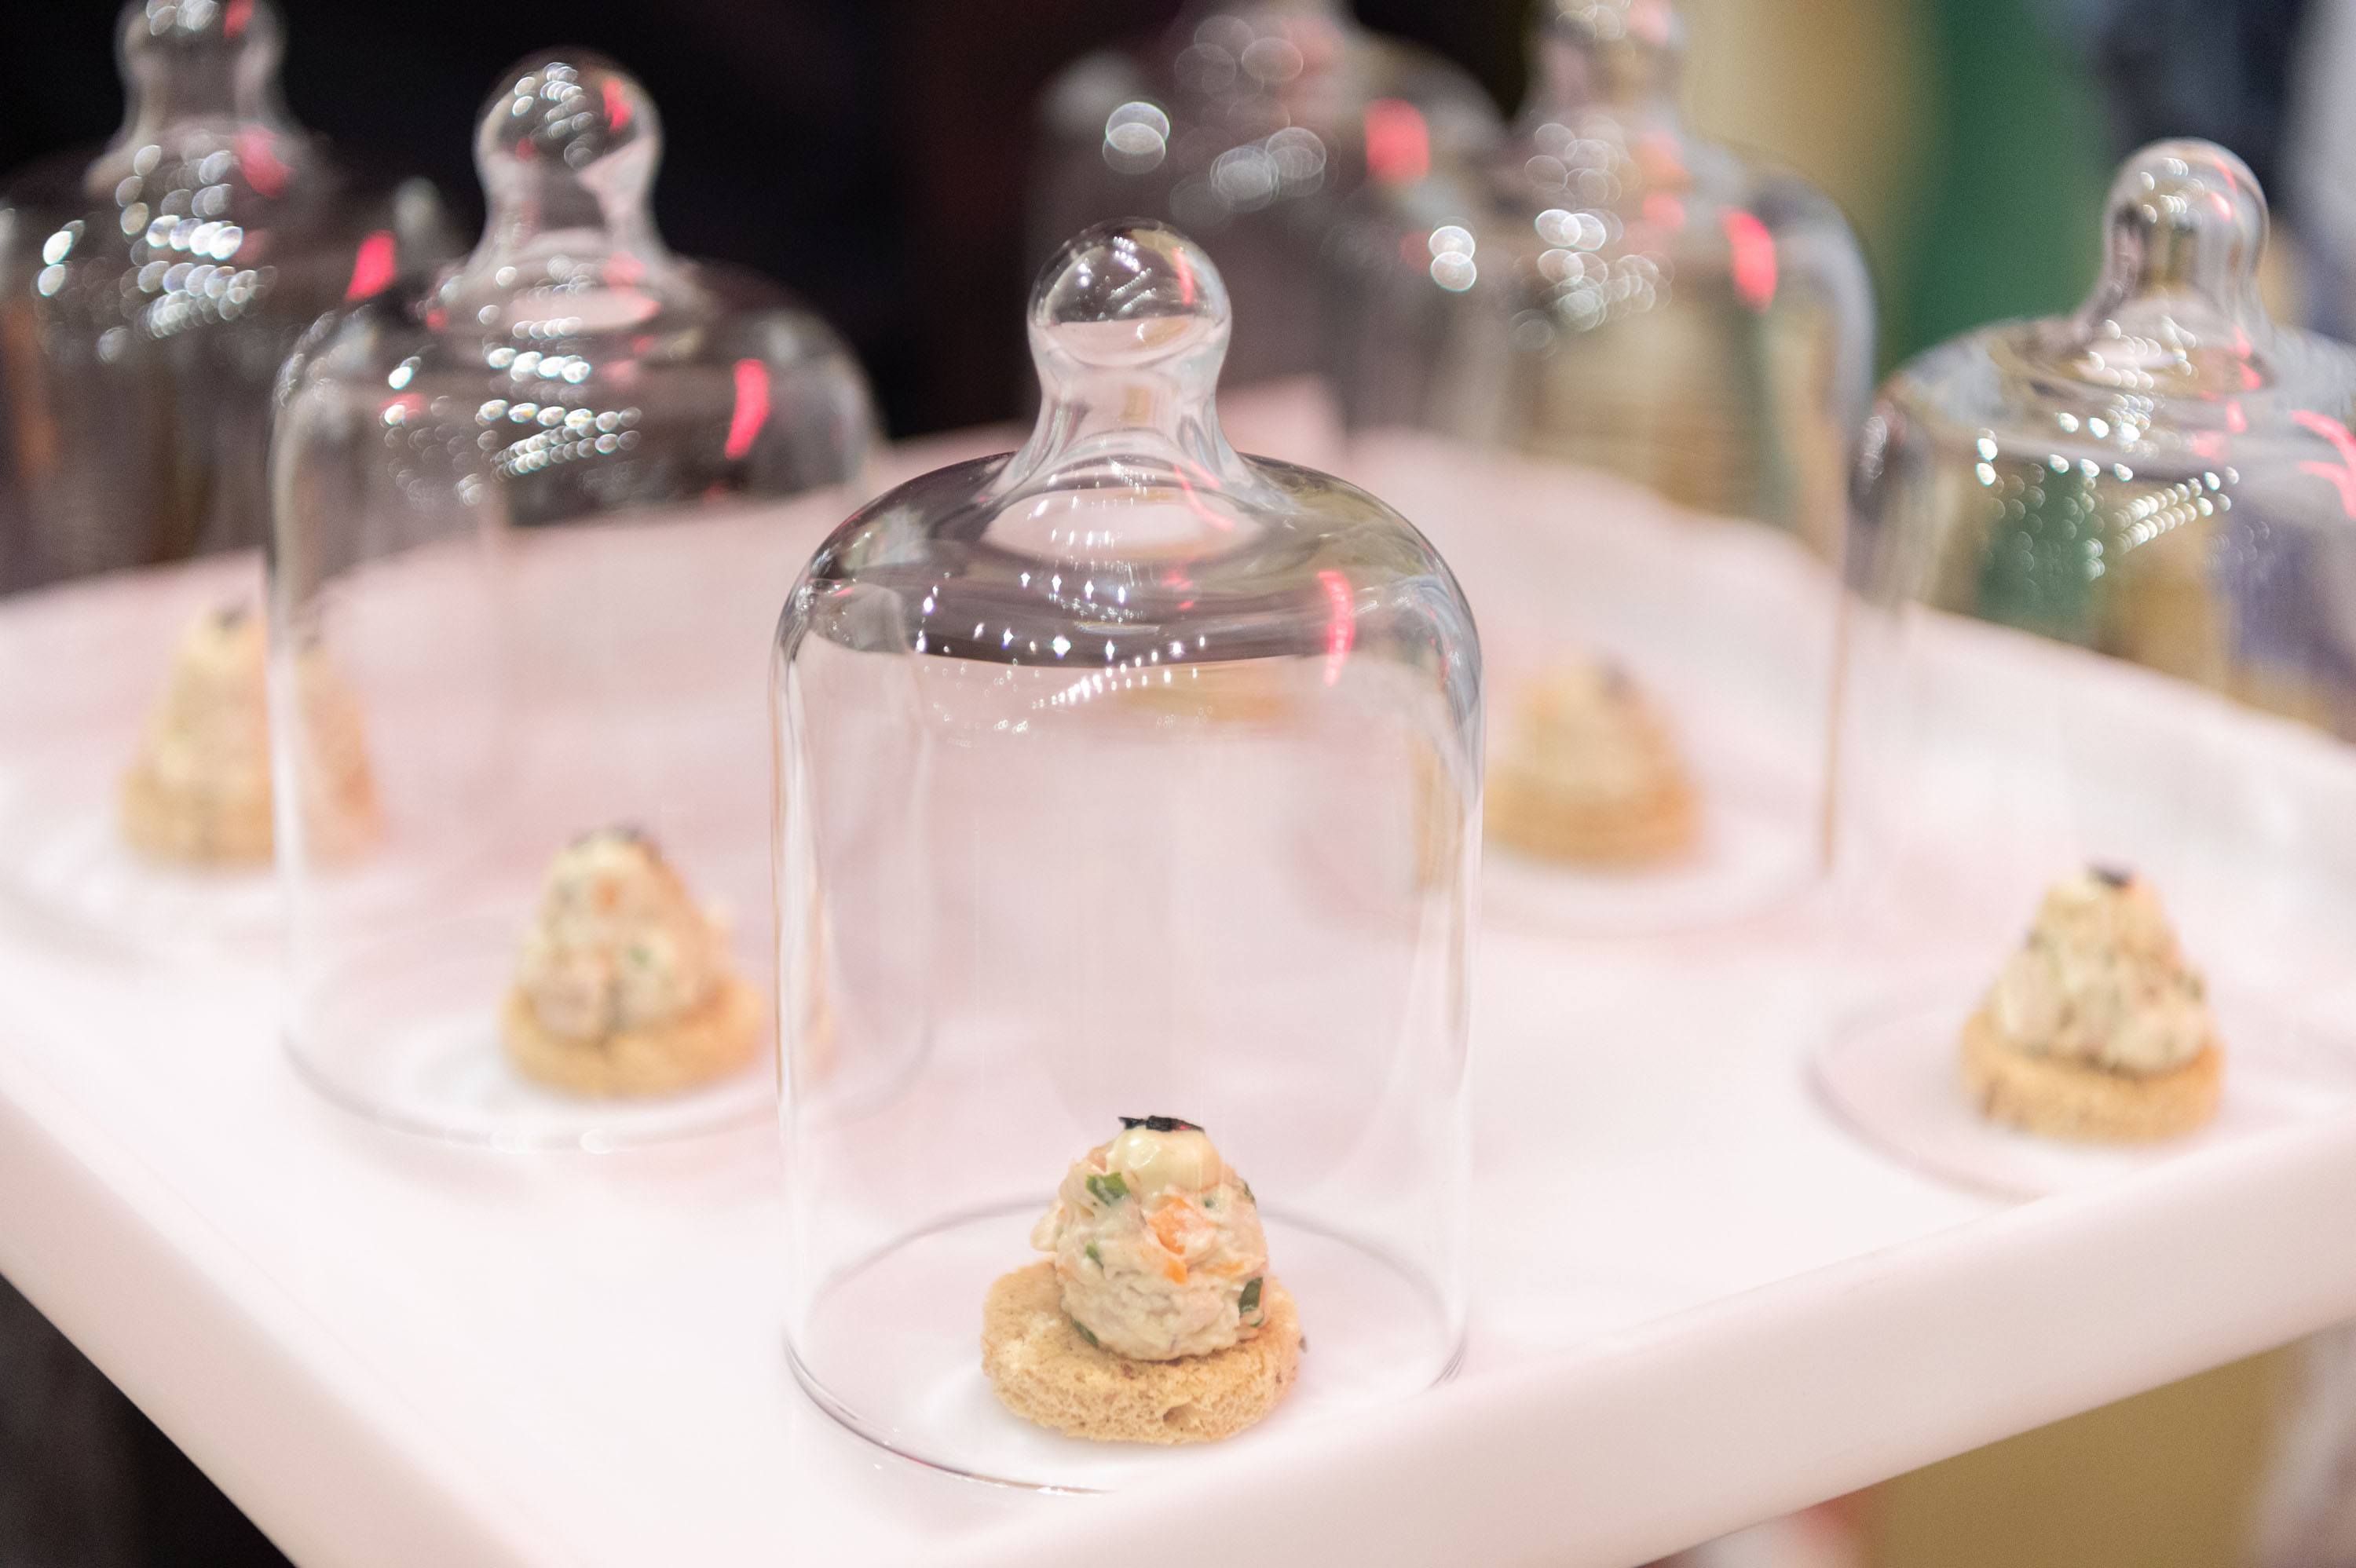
148, 291
2100, 681
1618, 369
531, 521
1246, 122
1121, 777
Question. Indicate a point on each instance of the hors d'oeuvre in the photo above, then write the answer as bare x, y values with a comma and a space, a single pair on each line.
1155, 1318
1588, 773
2097, 1027
198, 791
625, 986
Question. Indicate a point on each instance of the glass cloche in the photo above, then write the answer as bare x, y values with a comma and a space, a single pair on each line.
148, 291
1630, 363
532, 519
2101, 679
1248, 123
147, 295
1122, 780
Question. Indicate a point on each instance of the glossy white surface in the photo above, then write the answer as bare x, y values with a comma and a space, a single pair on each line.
1697, 1300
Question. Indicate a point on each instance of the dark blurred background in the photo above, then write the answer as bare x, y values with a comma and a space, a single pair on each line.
871, 152
868, 153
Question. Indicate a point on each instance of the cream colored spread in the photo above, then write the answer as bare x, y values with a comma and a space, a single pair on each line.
618, 944
204, 754
1585, 729
2100, 979
1157, 1245
209, 736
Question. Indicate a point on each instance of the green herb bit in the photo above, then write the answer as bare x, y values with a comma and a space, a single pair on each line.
1247, 1192
1249, 1300
1210, 1200
641, 954
1082, 1330
1094, 1256
1108, 1188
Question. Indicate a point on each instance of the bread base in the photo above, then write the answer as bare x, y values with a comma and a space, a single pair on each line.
173, 826
711, 1042
185, 829
2063, 1098
1522, 813
1044, 1372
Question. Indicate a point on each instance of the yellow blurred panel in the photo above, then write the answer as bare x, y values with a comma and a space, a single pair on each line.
2162, 1481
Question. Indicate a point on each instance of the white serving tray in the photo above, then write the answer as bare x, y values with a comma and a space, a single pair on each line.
1698, 1300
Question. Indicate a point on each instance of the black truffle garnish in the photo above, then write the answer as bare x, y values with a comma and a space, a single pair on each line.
2111, 876
1160, 1123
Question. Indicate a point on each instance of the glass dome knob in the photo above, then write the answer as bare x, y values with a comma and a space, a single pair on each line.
570, 133
1134, 301
2184, 216
1129, 325
183, 58
1613, 51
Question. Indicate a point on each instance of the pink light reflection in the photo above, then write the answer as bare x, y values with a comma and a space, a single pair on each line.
1195, 504
257, 154
752, 409
1753, 257
373, 265
1398, 144
1341, 622
2341, 475
617, 104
